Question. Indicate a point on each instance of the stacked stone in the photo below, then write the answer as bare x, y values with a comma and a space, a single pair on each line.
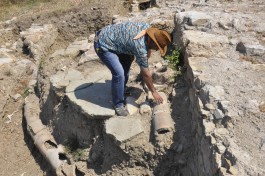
212, 112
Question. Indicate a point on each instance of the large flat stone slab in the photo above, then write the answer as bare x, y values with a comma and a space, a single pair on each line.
202, 44
92, 98
123, 129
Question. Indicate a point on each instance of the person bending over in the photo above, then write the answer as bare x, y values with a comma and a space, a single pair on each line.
117, 44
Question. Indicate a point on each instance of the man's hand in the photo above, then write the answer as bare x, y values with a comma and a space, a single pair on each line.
157, 97
149, 82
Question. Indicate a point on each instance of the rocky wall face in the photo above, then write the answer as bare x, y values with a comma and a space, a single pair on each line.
211, 59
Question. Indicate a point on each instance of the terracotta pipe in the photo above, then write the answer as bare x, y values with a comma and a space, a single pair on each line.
43, 139
162, 120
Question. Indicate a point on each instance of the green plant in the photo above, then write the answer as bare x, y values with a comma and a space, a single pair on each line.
25, 92
173, 57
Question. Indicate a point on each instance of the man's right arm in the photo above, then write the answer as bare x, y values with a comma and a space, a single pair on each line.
147, 77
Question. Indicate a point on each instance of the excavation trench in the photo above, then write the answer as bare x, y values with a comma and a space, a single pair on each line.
88, 145
91, 140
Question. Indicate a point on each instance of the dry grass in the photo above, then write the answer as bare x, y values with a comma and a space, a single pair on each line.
27, 8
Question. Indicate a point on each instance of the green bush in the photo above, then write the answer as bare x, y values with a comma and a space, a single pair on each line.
173, 57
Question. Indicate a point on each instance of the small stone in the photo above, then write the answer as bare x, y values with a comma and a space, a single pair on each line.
262, 107
218, 159
209, 126
221, 148
16, 97
220, 132
218, 114
213, 140
205, 113
252, 106
209, 106
233, 170
158, 65
145, 108
132, 106
227, 163
32, 83
63, 68
229, 125
224, 105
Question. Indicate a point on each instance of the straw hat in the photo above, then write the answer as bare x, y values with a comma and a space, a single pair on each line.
161, 39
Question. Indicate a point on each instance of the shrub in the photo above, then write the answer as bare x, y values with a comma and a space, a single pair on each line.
174, 57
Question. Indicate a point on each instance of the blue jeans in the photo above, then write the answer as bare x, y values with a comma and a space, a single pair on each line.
119, 65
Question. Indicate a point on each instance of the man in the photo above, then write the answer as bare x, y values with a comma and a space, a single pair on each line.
117, 44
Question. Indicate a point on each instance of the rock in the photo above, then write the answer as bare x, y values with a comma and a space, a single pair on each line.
93, 99
93, 77
5, 58
209, 93
223, 26
220, 132
257, 51
85, 46
193, 18
218, 114
16, 97
158, 65
58, 82
57, 53
132, 106
252, 106
163, 77
197, 67
208, 126
145, 108
205, 113
262, 106
32, 83
38, 39
73, 75
224, 105
85, 57
233, 170
123, 129
221, 148
213, 140
209, 106
74, 48
201, 44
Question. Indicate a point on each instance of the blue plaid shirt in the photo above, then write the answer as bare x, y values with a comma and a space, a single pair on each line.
119, 38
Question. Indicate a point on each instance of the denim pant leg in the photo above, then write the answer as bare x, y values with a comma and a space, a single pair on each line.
111, 60
126, 62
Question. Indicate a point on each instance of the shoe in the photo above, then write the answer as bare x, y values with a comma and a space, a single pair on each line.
121, 111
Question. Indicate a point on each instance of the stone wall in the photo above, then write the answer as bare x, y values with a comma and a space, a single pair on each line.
209, 153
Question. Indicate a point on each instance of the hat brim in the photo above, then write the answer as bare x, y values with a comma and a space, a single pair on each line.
151, 34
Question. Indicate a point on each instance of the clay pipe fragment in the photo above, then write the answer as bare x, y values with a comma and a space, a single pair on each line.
162, 120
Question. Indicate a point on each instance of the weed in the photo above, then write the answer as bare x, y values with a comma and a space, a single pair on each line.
25, 92
174, 57
41, 64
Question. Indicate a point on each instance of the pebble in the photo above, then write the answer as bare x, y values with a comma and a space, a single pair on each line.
233, 170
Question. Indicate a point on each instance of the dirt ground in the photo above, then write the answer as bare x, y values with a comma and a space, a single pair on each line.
18, 155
